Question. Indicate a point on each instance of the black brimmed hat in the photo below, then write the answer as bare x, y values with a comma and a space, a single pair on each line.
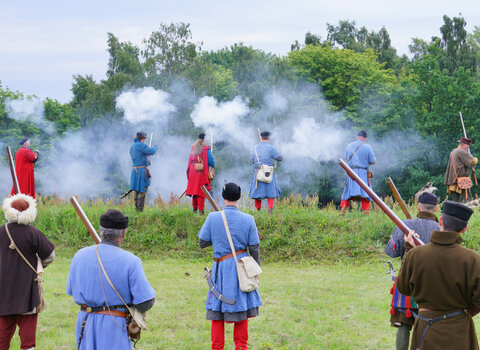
114, 219
362, 133
141, 135
231, 192
265, 133
22, 141
458, 210
202, 136
428, 198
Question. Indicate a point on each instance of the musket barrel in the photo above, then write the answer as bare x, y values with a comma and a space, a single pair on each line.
85, 220
398, 197
400, 224
16, 186
209, 197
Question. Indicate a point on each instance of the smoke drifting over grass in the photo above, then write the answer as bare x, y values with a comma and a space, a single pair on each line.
95, 161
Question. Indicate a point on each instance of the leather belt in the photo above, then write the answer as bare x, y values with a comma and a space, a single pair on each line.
103, 310
228, 256
142, 166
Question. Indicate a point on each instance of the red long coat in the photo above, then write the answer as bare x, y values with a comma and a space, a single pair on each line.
24, 160
197, 178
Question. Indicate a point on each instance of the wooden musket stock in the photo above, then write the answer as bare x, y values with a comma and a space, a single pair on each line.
16, 186
209, 197
85, 220
401, 225
398, 197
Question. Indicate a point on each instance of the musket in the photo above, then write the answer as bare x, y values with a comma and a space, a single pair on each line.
259, 136
465, 134
209, 197
400, 224
16, 186
85, 220
398, 197
150, 145
182, 194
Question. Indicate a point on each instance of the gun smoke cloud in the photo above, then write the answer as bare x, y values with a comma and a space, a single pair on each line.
29, 110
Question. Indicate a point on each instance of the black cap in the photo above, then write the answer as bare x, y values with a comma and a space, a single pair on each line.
362, 133
265, 133
22, 141
141, 135
428, 198
114, 219
231, 192
201, 136
458, 210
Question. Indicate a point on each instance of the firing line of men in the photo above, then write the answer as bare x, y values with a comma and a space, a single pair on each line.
112, 315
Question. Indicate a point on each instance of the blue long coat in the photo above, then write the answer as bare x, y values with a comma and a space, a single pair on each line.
266, 154
139, 152
359, 163
244, 233
126, 273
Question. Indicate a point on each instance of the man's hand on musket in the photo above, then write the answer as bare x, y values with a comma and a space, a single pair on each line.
410, 239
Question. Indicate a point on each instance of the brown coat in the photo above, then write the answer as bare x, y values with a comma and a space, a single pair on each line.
463, 161
445, 277
19, 291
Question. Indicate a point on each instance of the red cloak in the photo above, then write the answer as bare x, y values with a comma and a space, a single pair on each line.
24, 160
196, 179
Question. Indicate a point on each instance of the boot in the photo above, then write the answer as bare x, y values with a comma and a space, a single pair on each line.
140, 203
136, 204
194, 211
343, 210
201, 212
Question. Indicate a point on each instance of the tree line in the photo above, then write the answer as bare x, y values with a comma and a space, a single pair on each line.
358, 71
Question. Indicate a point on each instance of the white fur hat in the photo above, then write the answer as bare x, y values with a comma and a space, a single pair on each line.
25, 217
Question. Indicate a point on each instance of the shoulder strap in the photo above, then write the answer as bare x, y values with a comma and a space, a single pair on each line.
224, 218
356, 149
110, 282
14, 246
454, 168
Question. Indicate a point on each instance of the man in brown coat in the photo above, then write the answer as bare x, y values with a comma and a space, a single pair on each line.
19, 292
459, 162
444, 279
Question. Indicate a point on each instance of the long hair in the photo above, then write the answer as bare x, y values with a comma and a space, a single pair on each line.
198, 146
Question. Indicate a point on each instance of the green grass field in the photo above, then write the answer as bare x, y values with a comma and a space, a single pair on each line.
324, 284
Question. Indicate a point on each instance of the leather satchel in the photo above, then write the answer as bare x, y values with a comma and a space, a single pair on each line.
464, 182
248, 270
198, 165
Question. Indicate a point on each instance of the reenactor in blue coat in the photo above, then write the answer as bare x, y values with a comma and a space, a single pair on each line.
140, 178
224, 270
359, 156
264, 154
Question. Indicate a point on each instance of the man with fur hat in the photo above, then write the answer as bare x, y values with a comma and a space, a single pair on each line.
402, 306
25, 160
224, 270
444, 279
140, 177
459, 163
101, 322
20, 295
359, 156
263, 155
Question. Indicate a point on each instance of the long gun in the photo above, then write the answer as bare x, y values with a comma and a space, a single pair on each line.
398, 197
16, 186
150, 145
209, 197
85, 220
465, 134
259, 135
401, 225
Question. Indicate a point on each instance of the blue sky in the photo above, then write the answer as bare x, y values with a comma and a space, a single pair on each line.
44, 43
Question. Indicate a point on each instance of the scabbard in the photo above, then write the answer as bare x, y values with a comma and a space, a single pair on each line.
214, 290
125, 194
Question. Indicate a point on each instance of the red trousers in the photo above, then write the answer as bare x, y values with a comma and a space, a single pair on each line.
258, 203
27, 325
198, 202
240, 335
365, 204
